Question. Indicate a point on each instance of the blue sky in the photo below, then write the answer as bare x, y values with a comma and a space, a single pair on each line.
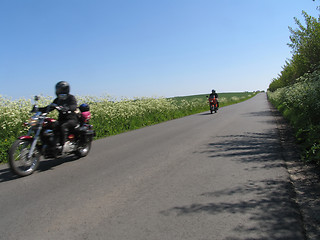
134, 48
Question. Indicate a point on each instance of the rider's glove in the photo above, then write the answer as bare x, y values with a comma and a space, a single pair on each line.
64, 109
53, 105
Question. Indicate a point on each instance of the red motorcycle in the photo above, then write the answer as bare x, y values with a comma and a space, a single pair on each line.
40, 141
213, 105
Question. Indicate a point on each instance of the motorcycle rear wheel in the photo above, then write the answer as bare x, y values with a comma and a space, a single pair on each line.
18, 158
83, 150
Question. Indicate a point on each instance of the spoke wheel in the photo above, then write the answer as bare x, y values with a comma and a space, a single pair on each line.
19, 162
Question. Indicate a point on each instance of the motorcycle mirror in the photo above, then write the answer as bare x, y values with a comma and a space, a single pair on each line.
36, 98
34, 109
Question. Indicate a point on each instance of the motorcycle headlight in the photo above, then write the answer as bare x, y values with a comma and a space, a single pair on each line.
33, 121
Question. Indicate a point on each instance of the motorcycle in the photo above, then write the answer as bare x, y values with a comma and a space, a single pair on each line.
213, 105
41, 139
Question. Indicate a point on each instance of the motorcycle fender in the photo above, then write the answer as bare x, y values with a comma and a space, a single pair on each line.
88, 135
25, 138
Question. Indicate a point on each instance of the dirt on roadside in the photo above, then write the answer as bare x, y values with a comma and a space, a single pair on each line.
304, 177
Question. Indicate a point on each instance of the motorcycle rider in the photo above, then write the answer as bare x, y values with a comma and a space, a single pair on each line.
213, 94
66, 104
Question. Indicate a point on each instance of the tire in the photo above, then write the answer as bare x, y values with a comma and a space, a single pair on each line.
18, 162
83, 149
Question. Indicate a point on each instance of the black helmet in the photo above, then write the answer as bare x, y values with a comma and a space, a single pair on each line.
213, 91
62, 87
84, 107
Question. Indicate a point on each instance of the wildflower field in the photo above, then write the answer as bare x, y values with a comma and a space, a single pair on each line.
109, 116
296, 90
300, 105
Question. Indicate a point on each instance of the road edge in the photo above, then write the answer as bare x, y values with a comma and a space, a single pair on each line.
304, 177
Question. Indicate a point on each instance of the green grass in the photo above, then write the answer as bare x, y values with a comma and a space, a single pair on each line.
225, 99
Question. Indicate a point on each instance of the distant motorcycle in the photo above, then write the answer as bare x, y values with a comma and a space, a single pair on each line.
213, 105
26, 151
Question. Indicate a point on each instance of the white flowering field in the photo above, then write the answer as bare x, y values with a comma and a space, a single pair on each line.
109, 116
300, 104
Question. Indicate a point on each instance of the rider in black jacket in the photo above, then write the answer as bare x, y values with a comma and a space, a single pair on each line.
214, 94
66, 105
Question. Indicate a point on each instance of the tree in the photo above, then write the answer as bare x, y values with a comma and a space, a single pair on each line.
305, 42
305, 45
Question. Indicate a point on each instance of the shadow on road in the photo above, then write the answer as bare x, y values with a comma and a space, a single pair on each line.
262, 148
6, 175
271, 217
268, 203
207, 113
45, 165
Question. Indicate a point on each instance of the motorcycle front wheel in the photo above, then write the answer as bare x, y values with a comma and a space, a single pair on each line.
19, 162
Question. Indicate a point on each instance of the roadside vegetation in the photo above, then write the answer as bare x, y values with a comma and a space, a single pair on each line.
110, 116
296, 91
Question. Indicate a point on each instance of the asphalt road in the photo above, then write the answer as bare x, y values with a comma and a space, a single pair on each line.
219, 176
